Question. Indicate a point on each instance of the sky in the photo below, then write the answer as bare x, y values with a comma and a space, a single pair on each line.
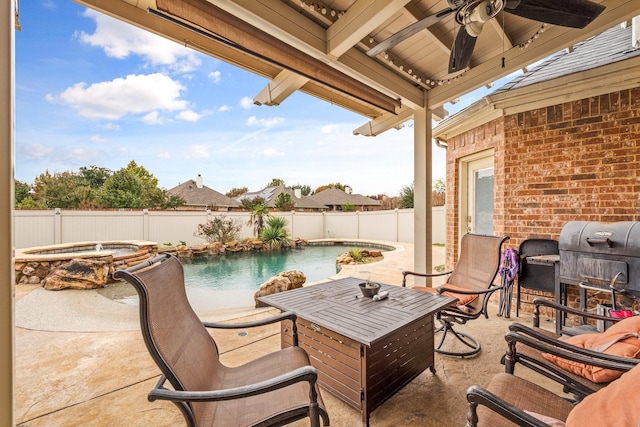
94, 91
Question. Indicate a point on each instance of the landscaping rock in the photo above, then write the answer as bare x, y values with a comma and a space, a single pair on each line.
281, 282
78, 274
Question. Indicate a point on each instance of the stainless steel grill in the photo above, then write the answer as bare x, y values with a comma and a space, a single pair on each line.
597, 255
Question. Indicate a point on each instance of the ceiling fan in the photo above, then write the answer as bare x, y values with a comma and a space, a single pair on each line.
473, 14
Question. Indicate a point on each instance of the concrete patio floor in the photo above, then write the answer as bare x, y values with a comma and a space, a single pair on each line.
99, 373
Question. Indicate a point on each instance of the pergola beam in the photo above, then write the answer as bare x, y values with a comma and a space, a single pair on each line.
280, 88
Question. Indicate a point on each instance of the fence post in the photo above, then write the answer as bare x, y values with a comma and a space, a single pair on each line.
145, 224
57, 226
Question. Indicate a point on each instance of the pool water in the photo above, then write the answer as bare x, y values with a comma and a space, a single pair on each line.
248, 270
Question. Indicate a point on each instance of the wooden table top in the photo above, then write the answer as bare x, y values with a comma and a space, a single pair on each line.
340, 307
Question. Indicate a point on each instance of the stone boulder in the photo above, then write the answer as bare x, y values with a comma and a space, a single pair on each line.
78, 274
281, 282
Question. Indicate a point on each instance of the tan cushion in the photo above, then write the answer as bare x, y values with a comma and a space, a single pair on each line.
617, 404
614, 341
463, 299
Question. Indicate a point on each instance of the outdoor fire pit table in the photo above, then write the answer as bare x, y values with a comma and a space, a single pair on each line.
365, 350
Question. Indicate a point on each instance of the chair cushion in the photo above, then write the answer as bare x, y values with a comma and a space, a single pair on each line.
620, 339
618, 404
463, 299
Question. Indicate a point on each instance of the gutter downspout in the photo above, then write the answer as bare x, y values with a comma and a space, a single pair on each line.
442, 143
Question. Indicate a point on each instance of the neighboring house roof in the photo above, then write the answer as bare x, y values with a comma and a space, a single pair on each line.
202, 195
606, 62
611, 46
270, 193
335, 197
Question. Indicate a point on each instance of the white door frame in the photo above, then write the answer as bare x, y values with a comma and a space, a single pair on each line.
468, 165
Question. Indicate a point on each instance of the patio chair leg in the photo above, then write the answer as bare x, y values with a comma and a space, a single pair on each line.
465, 339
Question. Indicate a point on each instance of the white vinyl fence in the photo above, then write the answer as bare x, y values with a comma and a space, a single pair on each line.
50, 227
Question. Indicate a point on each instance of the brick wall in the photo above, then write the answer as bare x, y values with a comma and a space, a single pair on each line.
574, 161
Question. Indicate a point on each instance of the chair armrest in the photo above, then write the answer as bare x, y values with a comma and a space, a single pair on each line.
305, 373
530, 337
543, 302
443, 288
413, 273
287, 315
479, 396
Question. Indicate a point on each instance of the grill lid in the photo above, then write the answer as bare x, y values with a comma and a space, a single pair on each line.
614, 238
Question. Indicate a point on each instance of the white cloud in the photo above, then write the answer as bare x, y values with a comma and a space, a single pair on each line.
97, 138
109, 126
199, 151
272, 152
327, 129
133, 94
254, 121
119, 40
224, 108
36, 151
246, 102
189, 116
215, 76
153, 118
163, 155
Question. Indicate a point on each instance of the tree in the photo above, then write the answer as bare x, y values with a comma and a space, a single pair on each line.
276, 182
348, 207
95, 176
250, 204
172, 201
406, 196
123, 189
305, 190
439, 185
21, 191
284, 201
235, 192
258, 215
148, 180
66, 190
327, 186
438, 195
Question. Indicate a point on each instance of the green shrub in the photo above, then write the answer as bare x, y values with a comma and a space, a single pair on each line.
356, 254
219, 229
275, 233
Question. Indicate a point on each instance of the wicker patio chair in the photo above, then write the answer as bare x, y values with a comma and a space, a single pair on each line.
581, 371
471, 281
274, 389
510, 401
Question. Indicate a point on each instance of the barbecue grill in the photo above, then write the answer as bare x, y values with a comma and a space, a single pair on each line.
599, 256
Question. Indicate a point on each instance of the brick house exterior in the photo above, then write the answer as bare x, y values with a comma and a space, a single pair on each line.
560, 161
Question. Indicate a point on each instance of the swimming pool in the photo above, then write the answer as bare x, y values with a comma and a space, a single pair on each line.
248, 270
235, 277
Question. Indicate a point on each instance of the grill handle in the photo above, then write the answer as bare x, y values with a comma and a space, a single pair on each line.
592, 242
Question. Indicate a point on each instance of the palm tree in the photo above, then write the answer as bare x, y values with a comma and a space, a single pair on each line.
257, 218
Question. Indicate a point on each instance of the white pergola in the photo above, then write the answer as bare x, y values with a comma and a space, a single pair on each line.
319, 48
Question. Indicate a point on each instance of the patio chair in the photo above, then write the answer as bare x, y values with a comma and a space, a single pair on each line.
512, 401
274, 389
582, 364
471, 281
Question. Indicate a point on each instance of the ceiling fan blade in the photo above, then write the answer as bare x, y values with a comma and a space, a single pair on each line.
407, 32
462, 51
566, 13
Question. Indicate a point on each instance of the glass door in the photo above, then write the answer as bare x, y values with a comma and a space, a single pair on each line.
477, 209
